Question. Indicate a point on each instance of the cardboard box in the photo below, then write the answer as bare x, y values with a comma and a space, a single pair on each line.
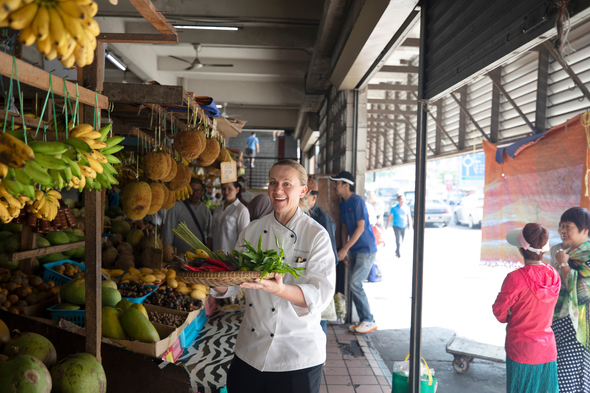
168, 337
189, 316
38, 309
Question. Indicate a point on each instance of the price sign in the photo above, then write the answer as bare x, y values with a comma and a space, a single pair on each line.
229, 172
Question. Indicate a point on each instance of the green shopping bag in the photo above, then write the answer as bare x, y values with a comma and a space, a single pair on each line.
400, 383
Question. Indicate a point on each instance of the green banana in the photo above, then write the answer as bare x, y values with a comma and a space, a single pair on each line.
73, 154
17, 134
91, 184
74, 167
51, 148
112, 149
112, 179
50, 162
103, 180
108, 168
14, 187
114, 141
79, 145
11, 174
23, 177
38, 174
84, 161
104, 132
56, 175
112, 159
67, 174
29, 192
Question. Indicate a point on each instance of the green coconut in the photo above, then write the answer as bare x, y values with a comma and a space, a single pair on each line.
79, 373
33, 344
24, 374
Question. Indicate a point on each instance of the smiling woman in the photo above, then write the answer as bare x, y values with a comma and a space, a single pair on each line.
281, 342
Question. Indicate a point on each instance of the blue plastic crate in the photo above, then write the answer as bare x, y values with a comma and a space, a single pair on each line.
190, 333
141, 299
75, 316
57, 278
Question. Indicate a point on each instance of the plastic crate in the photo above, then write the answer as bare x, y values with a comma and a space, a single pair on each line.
75, 316
141, 299
190, 333
57, 278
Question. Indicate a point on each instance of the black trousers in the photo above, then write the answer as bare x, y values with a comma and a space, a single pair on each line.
243, 378
399, 238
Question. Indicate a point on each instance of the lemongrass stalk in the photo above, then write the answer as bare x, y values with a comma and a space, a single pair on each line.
184, 234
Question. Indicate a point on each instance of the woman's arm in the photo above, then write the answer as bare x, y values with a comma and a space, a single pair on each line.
290, 293
506, 298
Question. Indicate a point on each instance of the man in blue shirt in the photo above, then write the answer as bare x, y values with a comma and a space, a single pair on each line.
359, 243
402, 219
252, 147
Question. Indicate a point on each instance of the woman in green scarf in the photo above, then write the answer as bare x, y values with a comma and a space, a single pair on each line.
571, 320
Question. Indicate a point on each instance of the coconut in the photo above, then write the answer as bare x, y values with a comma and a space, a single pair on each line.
172, 172
80, 372
182, 178
159, 195
170, 200
134, 237
188, 144
137, 197
125, 248
209, 155
109, 256
32, 344
24, 373
116, 239
155, 165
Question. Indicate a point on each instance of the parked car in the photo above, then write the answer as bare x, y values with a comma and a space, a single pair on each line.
437, 212
470, 211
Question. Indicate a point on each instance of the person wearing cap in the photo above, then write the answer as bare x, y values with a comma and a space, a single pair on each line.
359, 243
526, 302
323, 219
402, 219
571, 318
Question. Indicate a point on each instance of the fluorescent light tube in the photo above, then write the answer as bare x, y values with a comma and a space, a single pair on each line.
199, 27
118, 63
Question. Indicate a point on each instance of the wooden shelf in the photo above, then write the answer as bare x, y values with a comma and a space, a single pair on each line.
39, 252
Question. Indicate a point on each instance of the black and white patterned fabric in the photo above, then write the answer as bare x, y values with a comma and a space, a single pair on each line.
210, 355
573, 360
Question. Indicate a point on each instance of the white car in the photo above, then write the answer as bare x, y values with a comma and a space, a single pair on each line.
470, 211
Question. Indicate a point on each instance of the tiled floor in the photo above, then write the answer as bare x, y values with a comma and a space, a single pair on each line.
350, 365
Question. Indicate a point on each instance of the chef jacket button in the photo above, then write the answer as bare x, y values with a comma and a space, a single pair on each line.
253, 329
250, 304
265, 231
273, 310
292, 236
272, 335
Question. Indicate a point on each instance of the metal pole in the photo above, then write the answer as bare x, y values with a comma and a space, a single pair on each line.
419, 205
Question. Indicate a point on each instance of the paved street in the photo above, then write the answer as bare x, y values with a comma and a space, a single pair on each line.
458, 295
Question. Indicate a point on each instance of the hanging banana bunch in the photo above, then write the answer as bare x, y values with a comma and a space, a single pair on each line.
62, 29
184, 193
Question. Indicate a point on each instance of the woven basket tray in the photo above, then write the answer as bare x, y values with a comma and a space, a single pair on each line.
224, 279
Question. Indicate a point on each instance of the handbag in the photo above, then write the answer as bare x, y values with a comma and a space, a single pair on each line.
329, 314
195, 219
400, 382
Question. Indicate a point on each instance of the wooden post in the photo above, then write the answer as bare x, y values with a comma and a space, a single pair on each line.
28, 242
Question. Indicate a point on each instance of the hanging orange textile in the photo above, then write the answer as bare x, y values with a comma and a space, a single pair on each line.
543, 179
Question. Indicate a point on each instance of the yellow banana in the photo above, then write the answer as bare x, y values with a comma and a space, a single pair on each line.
72, 25
88, 171
3, 171
39, 194
84, 2
68, 62
97, 156
38, 205
11, 5
65, 51
91, 134
23, 199
12, 201
4, 214
81, 130
95, 165
44, 46
41, 23
18, 146
90, 9
23, 16
13, 211
89, 48
52, 54
80, 55
27, 36
57, 30
72, 9
54, 194
91, 25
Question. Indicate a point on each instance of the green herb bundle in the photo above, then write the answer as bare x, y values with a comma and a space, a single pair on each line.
266, 261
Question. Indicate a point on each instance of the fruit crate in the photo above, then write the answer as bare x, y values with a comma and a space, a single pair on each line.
142, 299
190, 333
75, 316
57, 278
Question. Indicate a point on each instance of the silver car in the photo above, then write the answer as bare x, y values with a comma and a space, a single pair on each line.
470, 211
437, 212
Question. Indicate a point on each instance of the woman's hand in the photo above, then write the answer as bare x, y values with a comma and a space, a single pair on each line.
221, 290
274, 286
562, 257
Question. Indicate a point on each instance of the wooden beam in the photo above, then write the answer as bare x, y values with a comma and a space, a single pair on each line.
542, 86
495, 112
390, 144
28, 242
413, 42
20, 255
567, 68
399, 69
438, 133
378, 101
134, 38
390, 112
93, 205
30, 122
466, 112
439, 124
390, 87
36, 77
147, 9
133, 93
498, 83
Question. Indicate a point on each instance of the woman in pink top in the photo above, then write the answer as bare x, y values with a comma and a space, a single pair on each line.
527, 301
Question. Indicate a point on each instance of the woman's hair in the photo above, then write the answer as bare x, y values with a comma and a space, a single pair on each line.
537, 237
302, 174
579, 216
236, 185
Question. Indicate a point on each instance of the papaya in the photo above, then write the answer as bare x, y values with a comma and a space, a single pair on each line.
68, 306
6, 263
110, 297
111, 324
74, 292
124, 304
24, 373
57, 238
42, 242
138, 327
140, 307
80, 372
109, 284
33, 344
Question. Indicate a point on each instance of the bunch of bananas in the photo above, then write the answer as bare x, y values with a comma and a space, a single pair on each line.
64, 29
45, 205
184, 193
10, 206
14, 153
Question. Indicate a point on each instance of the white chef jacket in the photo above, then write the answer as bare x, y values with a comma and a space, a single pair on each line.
277, 335
227, 224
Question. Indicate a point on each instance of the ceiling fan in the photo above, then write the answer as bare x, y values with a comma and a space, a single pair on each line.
196, 63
